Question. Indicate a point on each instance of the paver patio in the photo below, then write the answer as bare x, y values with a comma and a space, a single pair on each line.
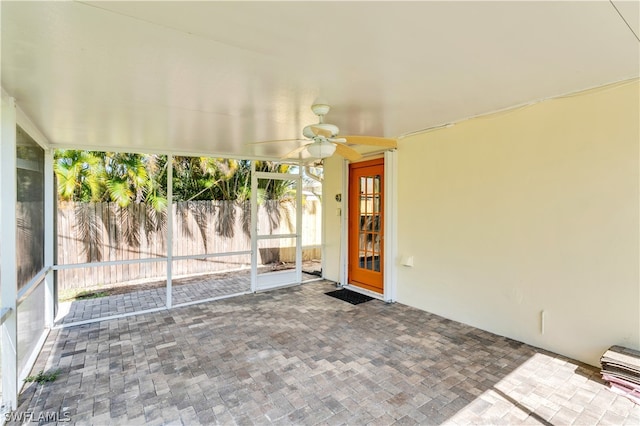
297, 356
185, 290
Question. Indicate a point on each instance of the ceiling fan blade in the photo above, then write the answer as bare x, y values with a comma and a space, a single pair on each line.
277, 140
319, 131
295, 152
348, 153
337, 140
372, 140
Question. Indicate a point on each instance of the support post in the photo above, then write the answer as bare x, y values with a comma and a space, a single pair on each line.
344, 226
390, 225
169, 301
254, 228
8, 268
49, 238
299, 225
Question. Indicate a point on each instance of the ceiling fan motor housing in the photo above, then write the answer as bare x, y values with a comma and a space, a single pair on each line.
320, 108
310, 134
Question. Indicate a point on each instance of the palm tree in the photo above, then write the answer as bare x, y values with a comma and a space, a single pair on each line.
138, 181
132, 181
126, 177
204, 178
79, 175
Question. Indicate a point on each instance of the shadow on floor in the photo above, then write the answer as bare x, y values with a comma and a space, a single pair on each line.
297, 356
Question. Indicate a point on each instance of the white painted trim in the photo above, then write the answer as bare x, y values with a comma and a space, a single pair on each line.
31, 285
271, 280
30, 165
4, 314
292, 284
324, 203
211, 299
279, 176
210, 255
49, 238
107, 263
8, 263
107, 318
364, 291
49, 299
31, 129
144, 260
275, 236
169, 299
390, 225
147, 311
344, 226
175, 153
254, 228
518, 107
299, 226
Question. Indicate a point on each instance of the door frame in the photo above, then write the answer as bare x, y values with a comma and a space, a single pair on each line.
390, 229
271, 280
360, 272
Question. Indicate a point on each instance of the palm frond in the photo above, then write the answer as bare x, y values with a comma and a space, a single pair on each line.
129, 222
199, 212
226, 219
245, 205
182, 216
120, 192
89, 230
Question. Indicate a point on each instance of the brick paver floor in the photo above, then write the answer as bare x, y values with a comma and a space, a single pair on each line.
297, 356
184, 290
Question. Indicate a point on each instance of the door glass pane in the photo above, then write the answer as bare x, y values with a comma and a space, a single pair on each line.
370, 222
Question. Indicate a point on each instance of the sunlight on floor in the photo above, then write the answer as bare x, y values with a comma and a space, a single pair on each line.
543, 390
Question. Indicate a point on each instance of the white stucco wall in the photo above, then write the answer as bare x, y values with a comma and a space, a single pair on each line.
517, 213
331, 186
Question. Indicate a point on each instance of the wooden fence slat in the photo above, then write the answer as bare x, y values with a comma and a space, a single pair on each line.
115, 246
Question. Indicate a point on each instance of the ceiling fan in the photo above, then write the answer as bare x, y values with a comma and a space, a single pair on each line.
322, 139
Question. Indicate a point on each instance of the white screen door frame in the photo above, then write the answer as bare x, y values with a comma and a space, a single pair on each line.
269, 280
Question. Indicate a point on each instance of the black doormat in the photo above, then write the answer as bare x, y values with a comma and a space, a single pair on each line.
349, 296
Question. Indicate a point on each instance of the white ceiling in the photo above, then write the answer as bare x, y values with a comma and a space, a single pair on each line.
210, 77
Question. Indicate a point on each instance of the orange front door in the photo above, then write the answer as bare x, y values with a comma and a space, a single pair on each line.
366, 225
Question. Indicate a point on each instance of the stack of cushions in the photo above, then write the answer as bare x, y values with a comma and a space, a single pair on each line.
621, 369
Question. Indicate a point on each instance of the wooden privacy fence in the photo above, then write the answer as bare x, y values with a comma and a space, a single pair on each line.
99, 232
